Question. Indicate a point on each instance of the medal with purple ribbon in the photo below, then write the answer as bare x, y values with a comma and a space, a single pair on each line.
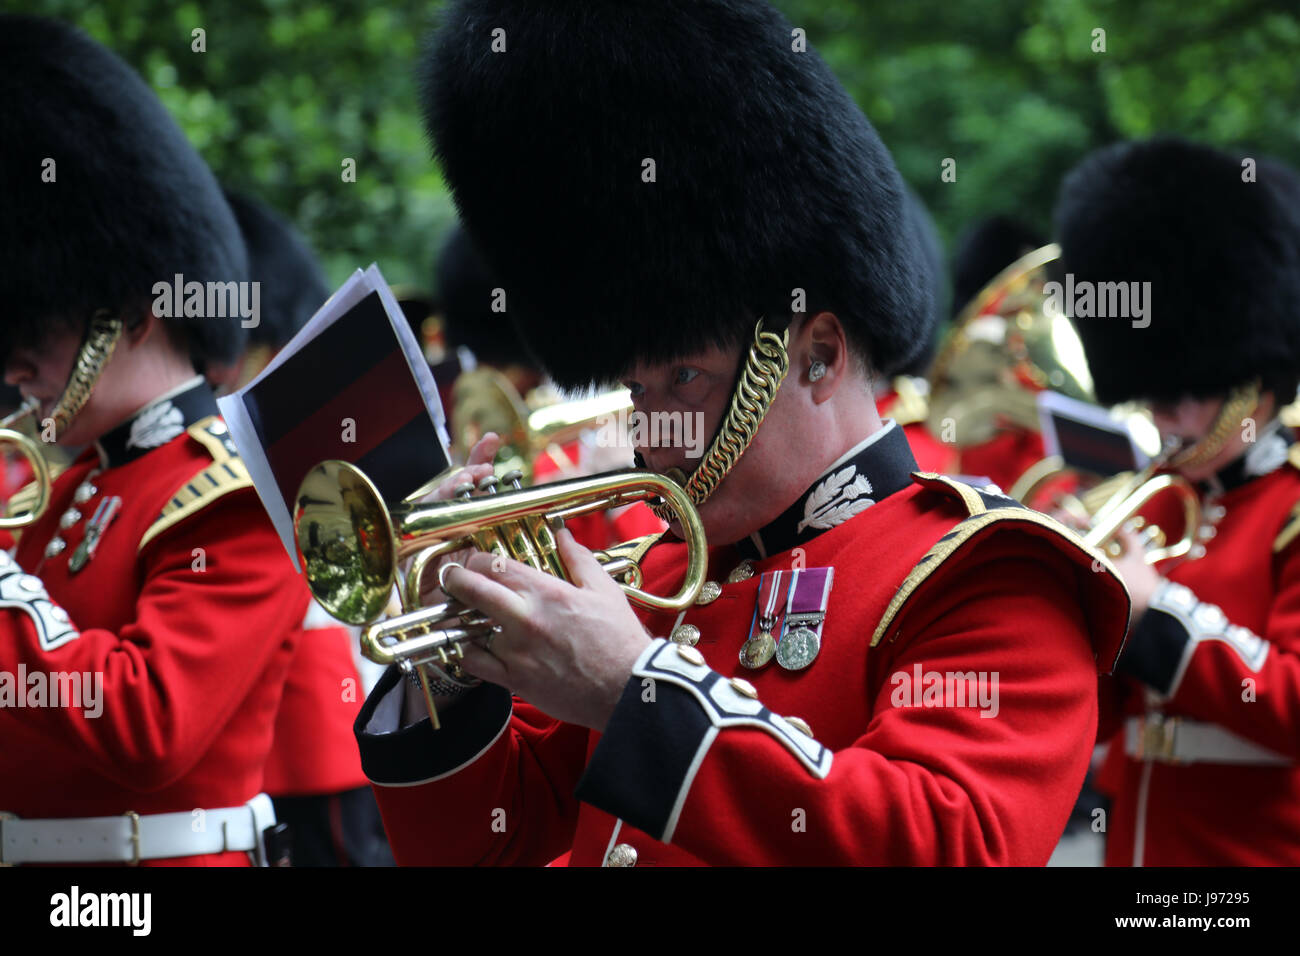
768, 611
801, 640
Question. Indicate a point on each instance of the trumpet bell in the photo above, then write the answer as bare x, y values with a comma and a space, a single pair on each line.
346, 542
40, 468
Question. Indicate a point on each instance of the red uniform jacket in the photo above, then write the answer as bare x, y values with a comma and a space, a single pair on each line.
1220, 646
312, 751
931, 578
188, 612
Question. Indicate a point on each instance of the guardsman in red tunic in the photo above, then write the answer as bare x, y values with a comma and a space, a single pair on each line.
313, 772
884, 666
149, 616
1203, 727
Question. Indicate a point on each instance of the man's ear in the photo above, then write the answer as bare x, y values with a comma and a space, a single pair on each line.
823, 341
145, 325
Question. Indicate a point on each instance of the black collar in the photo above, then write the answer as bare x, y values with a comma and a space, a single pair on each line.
1266, 454
874, 469
157, 423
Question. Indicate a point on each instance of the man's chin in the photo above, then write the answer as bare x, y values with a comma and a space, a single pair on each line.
73, 437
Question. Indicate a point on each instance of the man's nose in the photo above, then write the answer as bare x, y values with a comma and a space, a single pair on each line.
18, 371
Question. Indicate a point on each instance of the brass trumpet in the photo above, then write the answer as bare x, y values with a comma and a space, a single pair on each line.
35, 457
351, 544
1113, 503
486, 401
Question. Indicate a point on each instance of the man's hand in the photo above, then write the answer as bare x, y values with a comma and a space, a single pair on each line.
478, 467
567, 649
1140, 577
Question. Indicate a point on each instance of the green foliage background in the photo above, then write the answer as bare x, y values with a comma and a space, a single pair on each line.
1010, 89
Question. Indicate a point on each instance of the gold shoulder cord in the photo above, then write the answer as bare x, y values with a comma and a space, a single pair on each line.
1241, 402
765, 370
102, 333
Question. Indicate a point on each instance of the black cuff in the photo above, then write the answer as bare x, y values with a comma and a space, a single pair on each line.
672, 708
1155, 650
394, 755
641, 764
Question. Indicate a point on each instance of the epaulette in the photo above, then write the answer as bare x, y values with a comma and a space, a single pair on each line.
226, 474
984, 508
1291, 528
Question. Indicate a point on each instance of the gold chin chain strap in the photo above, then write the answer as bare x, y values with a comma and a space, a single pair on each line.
1241, 402
765, 370
102, 333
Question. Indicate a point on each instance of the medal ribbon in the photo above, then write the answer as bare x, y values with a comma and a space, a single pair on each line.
809, 594
769, 608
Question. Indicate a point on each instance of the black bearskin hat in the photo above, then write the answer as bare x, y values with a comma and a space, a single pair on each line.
292, 284
648, 177
104, 197
1222, 256
984, 250
467, 287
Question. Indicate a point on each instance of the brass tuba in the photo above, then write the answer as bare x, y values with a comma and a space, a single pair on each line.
1005, 347
35, 457
351, 544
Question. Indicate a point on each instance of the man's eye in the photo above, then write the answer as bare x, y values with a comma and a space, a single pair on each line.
636, 388
685, 375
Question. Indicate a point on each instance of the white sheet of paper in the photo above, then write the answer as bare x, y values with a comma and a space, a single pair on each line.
359, 285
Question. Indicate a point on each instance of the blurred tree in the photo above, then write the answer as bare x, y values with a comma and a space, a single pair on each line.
1014, 91
282, 95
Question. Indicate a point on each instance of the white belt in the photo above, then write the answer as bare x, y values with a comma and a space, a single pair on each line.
1176, 740
133, 837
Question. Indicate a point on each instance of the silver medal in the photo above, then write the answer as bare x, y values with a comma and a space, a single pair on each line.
798, 648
